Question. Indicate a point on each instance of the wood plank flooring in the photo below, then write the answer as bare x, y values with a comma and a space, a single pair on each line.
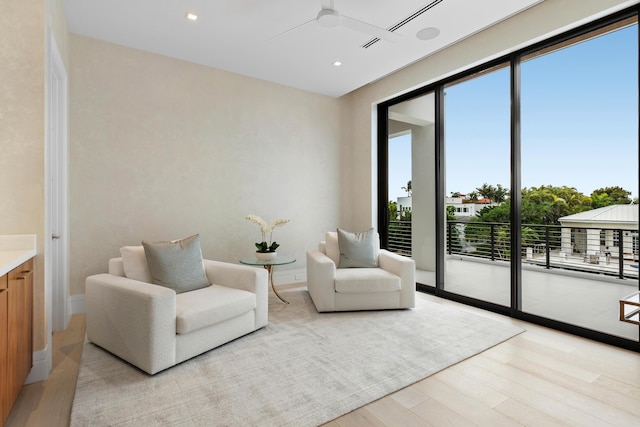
539, 378
48, 403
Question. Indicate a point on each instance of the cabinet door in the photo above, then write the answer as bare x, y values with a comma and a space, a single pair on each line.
15, 325
19, 325
4, 391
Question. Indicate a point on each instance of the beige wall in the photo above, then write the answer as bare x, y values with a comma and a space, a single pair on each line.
22, 121
162, 149
22, 133
539, 22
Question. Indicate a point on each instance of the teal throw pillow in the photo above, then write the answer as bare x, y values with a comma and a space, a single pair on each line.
177, 264
357, 250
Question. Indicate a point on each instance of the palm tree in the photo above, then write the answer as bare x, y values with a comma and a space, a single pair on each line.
500, 194
486, 191
473, 196
407, 188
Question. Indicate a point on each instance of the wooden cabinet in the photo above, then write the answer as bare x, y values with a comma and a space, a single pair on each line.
16, 337
4, 364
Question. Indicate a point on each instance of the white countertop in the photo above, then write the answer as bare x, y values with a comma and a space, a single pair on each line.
16, 249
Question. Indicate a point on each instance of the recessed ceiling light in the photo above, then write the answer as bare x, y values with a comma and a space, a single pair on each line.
191, 16
428, 33
337, 63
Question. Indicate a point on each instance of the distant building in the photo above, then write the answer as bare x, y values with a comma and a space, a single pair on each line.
591, 232
467, 209
404, 205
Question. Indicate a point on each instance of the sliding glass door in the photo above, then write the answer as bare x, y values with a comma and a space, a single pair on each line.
477, 173
580, 178
517, 184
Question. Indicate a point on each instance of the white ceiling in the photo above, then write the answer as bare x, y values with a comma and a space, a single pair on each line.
246, 36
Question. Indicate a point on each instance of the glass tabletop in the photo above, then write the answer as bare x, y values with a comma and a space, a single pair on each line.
279, 260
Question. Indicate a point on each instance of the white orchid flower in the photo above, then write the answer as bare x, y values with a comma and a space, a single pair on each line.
266, 229
257, 220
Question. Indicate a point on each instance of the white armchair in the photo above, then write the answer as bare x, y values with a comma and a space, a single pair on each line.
390, 286
154, 328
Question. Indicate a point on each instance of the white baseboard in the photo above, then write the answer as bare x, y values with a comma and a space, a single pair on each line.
76, 304
288, 277
41, 365
42, 359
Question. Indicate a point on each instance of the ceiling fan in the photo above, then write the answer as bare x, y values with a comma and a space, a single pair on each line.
329, 17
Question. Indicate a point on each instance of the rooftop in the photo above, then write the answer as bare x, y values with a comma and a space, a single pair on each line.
608, 214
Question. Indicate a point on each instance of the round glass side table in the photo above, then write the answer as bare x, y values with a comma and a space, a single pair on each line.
268, 265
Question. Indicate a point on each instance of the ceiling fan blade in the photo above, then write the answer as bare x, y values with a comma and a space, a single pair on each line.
372, 30
291, 29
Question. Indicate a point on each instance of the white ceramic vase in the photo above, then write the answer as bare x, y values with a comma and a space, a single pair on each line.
266, 256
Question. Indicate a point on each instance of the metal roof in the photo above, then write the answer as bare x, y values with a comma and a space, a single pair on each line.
607, 214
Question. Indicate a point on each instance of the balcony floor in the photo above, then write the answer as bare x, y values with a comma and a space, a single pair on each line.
579, 298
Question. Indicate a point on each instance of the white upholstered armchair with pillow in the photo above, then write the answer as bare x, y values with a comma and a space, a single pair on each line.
158, 312
350, 272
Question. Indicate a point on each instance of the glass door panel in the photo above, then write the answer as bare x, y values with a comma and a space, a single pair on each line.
477, 176
411, 186
580, 179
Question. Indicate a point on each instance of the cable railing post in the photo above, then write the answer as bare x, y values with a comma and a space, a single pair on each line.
449, 238
547, 247
620, 255
493, 243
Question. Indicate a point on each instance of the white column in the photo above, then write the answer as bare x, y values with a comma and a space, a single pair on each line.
565, 239
423, 201
593, 241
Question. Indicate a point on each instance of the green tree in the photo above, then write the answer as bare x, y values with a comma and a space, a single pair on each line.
546, 204
500, 213
405, 215
615, 195
600, 200
540, 205
473, 196
456, 241
486, 191
393, 211
500, 194
451, 216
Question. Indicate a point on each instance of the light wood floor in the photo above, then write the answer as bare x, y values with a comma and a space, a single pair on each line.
538, 378
48, 403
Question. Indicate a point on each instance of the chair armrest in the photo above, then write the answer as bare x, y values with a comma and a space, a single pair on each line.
245, 277
405, 268
133, 320
321, 273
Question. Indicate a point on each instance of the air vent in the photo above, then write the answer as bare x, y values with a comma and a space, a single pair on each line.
404, 22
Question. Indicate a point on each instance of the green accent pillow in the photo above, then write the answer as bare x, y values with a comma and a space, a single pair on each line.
177, 264
357, 250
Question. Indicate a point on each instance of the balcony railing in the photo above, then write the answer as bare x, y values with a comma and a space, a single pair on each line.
400, 237
608, 251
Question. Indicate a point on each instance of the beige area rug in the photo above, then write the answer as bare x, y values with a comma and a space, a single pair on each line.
302, 369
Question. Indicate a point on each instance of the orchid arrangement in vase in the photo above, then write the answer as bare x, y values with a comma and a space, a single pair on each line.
266, 230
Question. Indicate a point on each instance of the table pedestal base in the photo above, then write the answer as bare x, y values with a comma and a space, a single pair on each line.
270, 270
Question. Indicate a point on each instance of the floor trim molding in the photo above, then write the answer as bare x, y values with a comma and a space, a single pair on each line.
42, 365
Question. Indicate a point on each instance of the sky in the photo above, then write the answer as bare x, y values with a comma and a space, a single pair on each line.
579, 122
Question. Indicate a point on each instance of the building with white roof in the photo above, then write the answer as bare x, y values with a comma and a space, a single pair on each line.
596, 230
